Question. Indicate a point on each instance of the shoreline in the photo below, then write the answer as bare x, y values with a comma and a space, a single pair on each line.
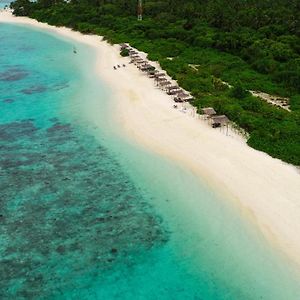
265, 189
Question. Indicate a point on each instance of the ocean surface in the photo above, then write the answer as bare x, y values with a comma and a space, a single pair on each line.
86, 214
4, 3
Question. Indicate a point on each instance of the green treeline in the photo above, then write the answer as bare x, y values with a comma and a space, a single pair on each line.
250, 44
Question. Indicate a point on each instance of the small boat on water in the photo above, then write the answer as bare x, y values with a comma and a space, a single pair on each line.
74, 50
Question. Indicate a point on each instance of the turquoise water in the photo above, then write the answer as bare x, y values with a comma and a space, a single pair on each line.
3, 3
85, 214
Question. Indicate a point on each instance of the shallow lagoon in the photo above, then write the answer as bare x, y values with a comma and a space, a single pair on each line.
85, 214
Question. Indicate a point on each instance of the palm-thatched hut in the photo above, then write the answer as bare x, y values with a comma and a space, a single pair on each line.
173, 90
160, 80
151, 73
140, 63
135, 56
208, 111
165, 84
137, 60
132, 52
157, 75
219, 121
183, 97
146, 67
124, 46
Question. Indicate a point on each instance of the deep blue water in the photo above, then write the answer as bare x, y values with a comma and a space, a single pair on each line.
85, 215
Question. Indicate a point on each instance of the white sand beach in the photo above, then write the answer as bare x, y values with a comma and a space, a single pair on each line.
266, 190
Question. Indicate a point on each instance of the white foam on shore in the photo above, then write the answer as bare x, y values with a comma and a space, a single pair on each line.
266, 190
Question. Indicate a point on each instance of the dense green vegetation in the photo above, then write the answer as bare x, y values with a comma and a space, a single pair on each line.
250, 44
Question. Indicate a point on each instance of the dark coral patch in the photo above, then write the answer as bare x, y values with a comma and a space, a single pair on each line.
65, 204
61, 249
64, 128
12, 131
13, 74
53, 120
36, 89
60, 86
26, 48
8, 101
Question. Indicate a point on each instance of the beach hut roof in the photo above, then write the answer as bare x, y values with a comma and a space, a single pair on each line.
141, 62
174, 87
161, 79
146, 67
179, 91
160, 74
220, 119
138, 59
182, 94
189, 98
163, 83
124, 46
152, 71
208, 111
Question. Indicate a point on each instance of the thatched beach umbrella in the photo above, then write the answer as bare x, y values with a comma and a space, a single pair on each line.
160, 75
160, 79
124, 46
174, 87
138, 61
151, 73
165, 83
140, 64
208, 111
220, 121
189, 98
132, 52
182, 97
146, 67
173, 90
182, 94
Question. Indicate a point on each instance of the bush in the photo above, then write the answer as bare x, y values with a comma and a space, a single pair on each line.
295, 102
238, 91
124, 52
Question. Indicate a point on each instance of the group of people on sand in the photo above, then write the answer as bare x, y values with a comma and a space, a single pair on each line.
118, 66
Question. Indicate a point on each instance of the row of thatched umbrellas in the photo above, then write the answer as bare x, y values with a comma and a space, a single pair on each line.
160, 78
179, 94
